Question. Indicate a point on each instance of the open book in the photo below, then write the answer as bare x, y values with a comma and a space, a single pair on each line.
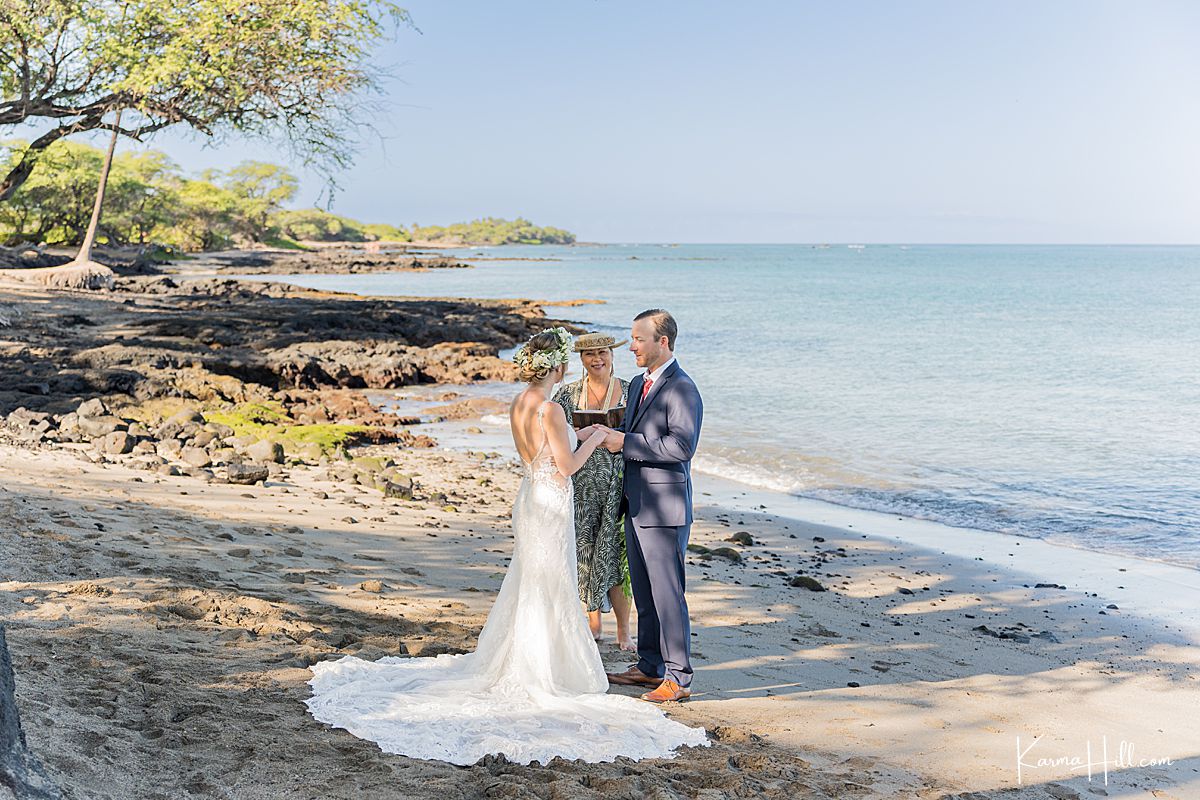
611, 418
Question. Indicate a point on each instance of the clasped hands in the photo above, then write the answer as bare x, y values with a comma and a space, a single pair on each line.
613, 442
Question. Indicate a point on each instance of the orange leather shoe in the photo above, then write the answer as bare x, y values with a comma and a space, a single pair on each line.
668, 692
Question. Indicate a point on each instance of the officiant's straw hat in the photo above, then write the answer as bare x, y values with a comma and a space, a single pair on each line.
597, 341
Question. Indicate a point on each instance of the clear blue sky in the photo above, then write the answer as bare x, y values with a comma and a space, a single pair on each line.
785, 121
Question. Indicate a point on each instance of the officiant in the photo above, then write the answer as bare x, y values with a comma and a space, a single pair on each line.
599, 530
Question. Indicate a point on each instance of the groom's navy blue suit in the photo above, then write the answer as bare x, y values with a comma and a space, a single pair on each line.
661, 434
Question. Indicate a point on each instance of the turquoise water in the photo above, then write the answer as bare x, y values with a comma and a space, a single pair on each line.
1039, 391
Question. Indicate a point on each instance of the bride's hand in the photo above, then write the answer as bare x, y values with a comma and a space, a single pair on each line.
584, 433
600, 433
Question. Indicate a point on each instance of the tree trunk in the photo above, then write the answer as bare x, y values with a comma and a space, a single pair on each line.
85, 250
19, 770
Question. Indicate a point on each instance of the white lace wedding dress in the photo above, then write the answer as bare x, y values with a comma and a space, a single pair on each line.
533, 689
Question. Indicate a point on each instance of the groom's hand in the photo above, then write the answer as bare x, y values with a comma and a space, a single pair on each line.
614, 442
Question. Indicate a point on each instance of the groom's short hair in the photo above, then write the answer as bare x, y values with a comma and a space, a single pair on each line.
664, 325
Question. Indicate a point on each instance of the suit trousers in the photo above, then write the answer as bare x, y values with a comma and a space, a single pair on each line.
656, 571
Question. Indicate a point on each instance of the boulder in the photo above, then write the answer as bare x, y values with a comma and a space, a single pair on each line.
68, 426
266, 451
92, 408
169, 448
96, 427
247, 473
400, 488
223, 431
186, 415
117, 443
195, 456
204, 438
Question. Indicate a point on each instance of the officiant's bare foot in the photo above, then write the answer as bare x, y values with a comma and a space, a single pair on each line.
625, 643
595, 624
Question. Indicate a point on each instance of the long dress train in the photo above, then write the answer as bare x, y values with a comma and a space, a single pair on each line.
533, 689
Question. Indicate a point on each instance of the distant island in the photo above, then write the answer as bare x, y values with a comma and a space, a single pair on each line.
151, 203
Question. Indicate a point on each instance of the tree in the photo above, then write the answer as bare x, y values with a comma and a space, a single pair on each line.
286, 68
53, 206
82, 272
142, 198
261, 190
207, 218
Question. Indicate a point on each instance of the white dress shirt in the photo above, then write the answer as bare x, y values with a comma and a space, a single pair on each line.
656, 374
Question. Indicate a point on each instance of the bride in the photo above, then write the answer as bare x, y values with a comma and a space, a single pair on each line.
535, 687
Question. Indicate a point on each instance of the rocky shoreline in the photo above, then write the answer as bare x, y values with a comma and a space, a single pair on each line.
317, 259
232, 380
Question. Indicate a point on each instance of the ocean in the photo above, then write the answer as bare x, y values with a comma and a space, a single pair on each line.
1039, 391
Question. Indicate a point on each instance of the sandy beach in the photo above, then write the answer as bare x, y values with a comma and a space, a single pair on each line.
162, 621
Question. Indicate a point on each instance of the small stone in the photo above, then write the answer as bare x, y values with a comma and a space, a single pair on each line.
728, 553
373, 586
240, 552
805, 582
743, 538
294, 577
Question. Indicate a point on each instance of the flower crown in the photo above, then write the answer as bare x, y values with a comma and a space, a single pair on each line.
545, 359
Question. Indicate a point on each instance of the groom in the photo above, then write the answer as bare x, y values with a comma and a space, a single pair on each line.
658, 438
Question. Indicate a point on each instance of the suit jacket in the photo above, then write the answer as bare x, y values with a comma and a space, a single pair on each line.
661, 434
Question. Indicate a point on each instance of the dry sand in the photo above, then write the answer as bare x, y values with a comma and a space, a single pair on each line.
161, 630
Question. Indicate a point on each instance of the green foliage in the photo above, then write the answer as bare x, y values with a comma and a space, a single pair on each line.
315, 225
54, 205
294, 70
492, 230
150, 202
383, 232
261, 190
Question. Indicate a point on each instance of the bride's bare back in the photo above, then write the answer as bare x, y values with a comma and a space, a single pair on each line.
536, 423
